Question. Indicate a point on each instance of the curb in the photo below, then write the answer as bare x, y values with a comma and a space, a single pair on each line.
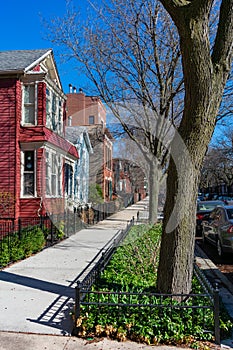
213, 274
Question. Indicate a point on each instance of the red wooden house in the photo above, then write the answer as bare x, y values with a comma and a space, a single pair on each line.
33, 147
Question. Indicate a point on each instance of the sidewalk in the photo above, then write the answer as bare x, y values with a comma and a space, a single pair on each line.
37, 294
18, 341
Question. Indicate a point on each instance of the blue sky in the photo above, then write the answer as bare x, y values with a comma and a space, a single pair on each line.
21, 28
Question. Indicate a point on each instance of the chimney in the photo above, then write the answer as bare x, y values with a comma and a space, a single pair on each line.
80, 90
74, 90
70, 88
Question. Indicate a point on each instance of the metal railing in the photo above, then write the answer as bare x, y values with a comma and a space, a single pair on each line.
125, 301
93, 270
55, 227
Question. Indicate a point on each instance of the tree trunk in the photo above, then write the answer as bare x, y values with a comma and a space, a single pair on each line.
154, 181
204, 79
178, 238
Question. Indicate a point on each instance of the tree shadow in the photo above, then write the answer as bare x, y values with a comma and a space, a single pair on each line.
58, 313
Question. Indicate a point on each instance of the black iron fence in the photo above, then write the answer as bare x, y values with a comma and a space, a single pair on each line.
127, 302
92, 271
55, 228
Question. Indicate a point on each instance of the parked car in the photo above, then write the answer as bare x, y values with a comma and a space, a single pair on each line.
218, 229
226, 199
204, 208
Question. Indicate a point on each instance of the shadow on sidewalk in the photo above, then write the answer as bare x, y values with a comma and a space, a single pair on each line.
57, 315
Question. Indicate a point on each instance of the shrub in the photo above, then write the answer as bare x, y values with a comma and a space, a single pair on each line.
95, 194
133, 268
13, 248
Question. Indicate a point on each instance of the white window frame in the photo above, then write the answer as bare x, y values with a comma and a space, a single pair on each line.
29, 104
25, 172
53, 173
48, 107
54, 116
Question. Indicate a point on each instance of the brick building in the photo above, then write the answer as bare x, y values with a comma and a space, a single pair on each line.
89, 111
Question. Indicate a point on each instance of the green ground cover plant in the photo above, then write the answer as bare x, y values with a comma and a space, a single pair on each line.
16, 247
131, 278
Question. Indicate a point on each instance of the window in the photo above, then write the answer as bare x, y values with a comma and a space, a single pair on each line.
60, 116
48, 107
91, 119
230, 213
69, 180
47, 175
54, 112
53, 174
108, 155
29, 104
28, 173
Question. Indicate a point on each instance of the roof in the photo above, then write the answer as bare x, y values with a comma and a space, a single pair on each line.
73, 133
27, 61
21, 60
41, 134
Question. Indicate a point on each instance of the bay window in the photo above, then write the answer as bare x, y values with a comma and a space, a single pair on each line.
29, 104
53, 174
53, 111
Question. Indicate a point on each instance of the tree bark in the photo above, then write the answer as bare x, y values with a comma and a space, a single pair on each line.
154, 184
204, 78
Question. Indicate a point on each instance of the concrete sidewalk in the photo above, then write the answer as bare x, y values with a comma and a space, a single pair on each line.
19, 341
37, 294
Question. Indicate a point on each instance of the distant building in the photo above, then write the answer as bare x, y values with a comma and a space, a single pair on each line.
90, 112
77, 184
130, 183
84, 110
33, 147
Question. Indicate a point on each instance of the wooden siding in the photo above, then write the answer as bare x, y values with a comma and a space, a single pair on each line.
11, 135
17, 161
8, 148
29, 207
33, 207
54, 205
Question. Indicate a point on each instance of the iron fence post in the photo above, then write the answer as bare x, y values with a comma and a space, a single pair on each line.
68, 222
51, 229
20, 228
75, 217
216, 315
77, 302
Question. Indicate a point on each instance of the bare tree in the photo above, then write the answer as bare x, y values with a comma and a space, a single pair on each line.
132, 57
217, 171
131, 54
206, 68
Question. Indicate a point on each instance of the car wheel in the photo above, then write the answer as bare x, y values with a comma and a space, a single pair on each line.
219, 248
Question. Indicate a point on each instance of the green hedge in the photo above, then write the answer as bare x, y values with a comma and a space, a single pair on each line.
15, 247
